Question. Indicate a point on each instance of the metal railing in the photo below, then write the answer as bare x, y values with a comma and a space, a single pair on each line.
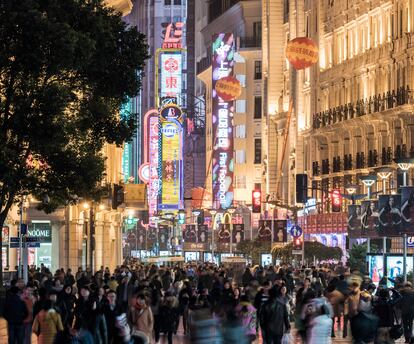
362, 107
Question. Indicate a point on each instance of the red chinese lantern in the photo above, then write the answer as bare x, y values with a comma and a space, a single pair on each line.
302, 52
228, 88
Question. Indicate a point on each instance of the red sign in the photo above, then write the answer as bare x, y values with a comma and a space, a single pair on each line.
173, 36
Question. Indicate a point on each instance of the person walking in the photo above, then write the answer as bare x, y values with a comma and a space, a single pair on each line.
169, 315
47, 324
28, 299
15, 312
407, 310
274, 319
141, 318
248, 317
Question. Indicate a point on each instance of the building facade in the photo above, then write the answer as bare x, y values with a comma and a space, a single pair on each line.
352, 111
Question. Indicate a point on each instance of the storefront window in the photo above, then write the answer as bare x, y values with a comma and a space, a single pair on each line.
42, 254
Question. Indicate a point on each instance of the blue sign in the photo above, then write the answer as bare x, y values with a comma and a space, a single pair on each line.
33, 244
33, 239
410, 241
14, 245
14, 239
296, 231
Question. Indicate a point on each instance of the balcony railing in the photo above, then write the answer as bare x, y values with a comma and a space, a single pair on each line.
362, 107
249, 42
203, 64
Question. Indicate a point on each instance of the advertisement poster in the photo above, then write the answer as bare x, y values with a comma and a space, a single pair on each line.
266, 259
238, 233
222, 126
224, 234
202, 234
280, 231
395, 266
407, 210
354, 221
264, 232
370, 219
389, 215
163, 237
376, 268
189, 233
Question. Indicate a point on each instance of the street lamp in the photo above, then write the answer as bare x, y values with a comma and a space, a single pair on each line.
351, 189
213, 213
231, 212
368, 181
384, 173
155, 218
404, 164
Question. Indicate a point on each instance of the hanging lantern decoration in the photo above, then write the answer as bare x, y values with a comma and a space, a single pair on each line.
228, 88
302, 52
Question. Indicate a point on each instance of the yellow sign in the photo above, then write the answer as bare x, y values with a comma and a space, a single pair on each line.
135, 194
171, 165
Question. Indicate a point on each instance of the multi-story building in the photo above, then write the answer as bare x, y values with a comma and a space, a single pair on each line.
352, 111
243, 19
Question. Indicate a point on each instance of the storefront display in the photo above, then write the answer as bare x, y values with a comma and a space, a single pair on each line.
42, 231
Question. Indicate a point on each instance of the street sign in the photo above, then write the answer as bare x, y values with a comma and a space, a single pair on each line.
14, 239
33, 239
410, 241
296, 231
297, 252
29, 244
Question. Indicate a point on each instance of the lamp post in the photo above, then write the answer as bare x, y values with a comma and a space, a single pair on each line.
384, 173
231, 212
196, 213
213, 213
404, 165
368, 181
155, 218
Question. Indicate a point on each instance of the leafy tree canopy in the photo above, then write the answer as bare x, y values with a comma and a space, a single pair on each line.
66, 67
313, 249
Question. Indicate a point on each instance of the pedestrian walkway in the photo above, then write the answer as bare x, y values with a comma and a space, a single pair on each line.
181, 339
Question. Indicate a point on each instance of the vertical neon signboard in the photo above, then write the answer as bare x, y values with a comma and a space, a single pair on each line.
127, 151
171, 165
153, 151
222, 115
171, 74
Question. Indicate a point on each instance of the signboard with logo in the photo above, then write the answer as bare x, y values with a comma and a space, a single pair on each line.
41, 231
173, 35
222, 116
171, 74
5, 235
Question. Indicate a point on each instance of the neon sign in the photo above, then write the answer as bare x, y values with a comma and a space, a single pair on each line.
171, 74
223, 160
173, 36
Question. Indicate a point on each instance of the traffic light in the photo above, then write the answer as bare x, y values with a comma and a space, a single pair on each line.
297, 244
257, 201
181, 217
301, 188
117, 196
336, 200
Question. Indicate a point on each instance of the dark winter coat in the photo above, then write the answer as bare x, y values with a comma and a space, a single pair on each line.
274, 318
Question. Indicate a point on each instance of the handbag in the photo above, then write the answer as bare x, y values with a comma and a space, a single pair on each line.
396, 330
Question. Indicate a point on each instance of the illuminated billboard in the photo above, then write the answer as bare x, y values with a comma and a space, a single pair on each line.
171, 165
171, 74
153, 151
222, 116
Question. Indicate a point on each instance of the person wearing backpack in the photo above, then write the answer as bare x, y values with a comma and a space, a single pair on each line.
274, 318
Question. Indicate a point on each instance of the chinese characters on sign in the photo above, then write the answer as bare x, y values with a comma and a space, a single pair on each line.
171, 74
222, 66
154, 182
173, 36
171, 166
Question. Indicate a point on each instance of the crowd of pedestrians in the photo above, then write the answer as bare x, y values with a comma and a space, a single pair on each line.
139, 303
